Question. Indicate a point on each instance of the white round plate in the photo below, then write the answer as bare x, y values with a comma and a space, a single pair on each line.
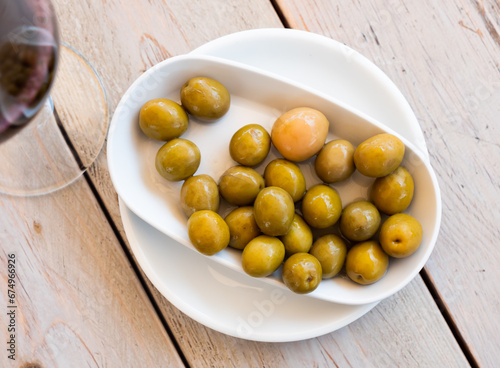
325, 65
221, 298
225, 300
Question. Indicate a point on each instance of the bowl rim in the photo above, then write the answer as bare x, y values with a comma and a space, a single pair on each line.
240, 66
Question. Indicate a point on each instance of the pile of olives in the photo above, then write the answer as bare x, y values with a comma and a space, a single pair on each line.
276, 220
165, 120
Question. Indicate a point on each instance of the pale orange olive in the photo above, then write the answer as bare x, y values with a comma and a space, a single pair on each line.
299, 134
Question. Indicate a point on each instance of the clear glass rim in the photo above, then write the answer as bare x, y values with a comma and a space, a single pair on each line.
44, 188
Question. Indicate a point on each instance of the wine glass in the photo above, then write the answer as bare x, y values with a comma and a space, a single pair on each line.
46, 142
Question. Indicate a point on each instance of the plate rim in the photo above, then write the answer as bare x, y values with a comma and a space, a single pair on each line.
263, 32
328, 42
201, 318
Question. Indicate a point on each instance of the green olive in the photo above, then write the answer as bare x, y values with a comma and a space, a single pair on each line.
274, 211
177, 159
242, 226
366, 262
321, 206
208, 232
335, 161
205, 98
239, 185
198, 193
250, 145
359, 221
302, 273
330, 250
262, 256
379, 155
163, 119
393, 193
285, 174
299, 238
401, 235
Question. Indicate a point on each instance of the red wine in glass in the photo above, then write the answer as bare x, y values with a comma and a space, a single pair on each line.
28, 59
45, 143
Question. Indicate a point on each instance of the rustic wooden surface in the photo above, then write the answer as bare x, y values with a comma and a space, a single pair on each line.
85, 302
79, 301
445, 59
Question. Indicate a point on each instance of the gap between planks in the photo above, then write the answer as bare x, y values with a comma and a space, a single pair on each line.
445, 312
280, 14
135, 268
120, 239
428, 281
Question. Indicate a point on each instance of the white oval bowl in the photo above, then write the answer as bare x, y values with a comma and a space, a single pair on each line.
258, 97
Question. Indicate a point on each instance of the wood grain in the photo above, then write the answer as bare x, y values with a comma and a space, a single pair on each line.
122, 39
444, 57
79, 303
405, 330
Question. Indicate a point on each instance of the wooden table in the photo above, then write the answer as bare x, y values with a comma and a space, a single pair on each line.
85, 302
